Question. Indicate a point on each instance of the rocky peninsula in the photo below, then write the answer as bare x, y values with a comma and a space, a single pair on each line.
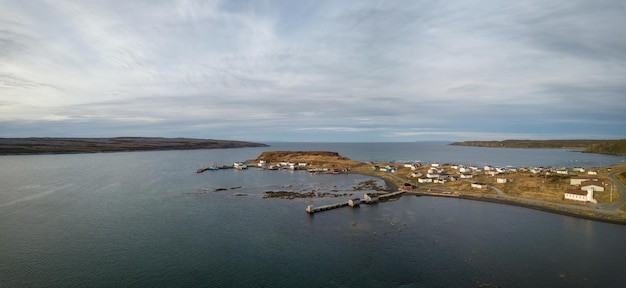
540, 188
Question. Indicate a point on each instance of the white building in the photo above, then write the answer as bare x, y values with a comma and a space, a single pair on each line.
479, 185
577, 180
596, 186
592, 173
425, 180
580, 195
501, 180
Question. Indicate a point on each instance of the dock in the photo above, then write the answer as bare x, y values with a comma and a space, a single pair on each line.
367, 199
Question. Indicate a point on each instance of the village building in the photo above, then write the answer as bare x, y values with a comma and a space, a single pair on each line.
370, 198
580, 195
501, 180
562, 171
479, 185
407, 186
466, 176
592, 173
492, 173
596, 186
354, 202
416, 174
577, 180
465, 170
425, 180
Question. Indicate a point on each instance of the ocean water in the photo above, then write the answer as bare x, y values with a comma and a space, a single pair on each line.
146, 219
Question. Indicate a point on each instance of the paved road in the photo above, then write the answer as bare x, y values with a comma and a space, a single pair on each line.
620, 188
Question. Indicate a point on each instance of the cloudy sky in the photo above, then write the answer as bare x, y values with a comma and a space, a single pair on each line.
314, 70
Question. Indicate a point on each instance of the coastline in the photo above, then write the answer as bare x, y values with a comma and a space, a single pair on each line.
583, 213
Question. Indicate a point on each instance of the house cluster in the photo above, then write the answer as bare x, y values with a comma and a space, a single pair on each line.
437, 174
388, 168
561, 170
282, 165
586, 187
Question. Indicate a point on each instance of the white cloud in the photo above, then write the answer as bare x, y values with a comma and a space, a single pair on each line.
292, 69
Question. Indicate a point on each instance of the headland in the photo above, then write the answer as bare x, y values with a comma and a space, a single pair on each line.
562, 190
609, 147
45, 145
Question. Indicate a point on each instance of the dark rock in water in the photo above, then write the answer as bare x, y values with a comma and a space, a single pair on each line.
220, 189
368, 185
241, 194
287, 194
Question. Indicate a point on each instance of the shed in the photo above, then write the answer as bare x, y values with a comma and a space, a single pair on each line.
354, 202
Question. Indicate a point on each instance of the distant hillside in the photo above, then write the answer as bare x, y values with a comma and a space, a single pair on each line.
92, 145
615, 147
611, 147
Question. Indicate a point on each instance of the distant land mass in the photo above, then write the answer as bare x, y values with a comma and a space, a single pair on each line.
610, 147
45, 145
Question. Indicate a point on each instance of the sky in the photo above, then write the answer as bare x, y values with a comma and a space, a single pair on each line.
323, 71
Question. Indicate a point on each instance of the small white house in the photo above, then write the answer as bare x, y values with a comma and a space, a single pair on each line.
432, 175
592, 173
561, 171
465, 170
501, 180
303, 164
369, 198
577, 180
434, 165
580, 195
479, 185
416, 174
466, 176
425, 180
492, 173
487, 168
262, 163
500, 170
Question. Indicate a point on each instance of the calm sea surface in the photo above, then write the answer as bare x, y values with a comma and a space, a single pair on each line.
146, 219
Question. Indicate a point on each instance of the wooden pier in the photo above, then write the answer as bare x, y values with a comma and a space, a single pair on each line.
367, 199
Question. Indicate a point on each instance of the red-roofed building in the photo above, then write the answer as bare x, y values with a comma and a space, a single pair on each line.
597, 186
580, 195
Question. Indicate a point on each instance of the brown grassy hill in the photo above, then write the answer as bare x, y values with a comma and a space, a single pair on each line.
316, 158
